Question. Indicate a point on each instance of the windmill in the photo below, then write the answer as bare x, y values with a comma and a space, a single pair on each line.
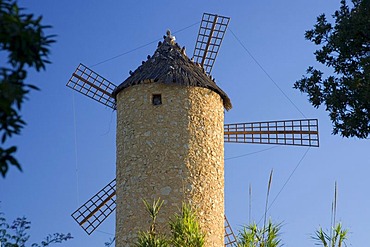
170, 111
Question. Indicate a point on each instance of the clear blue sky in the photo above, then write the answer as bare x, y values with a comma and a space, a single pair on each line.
67, 149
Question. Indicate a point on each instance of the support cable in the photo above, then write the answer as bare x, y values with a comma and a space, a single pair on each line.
142, 46
251, 153
76, 152
286, 182
290, 176
267, 74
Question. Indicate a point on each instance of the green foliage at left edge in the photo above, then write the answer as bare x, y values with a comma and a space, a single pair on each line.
23, 40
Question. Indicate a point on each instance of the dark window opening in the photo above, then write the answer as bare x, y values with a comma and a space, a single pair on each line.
157, 99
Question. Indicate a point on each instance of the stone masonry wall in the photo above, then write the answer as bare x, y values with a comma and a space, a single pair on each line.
173, 151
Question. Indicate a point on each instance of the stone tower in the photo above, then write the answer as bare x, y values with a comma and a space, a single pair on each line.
170, 144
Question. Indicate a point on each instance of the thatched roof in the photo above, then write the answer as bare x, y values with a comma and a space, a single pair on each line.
170, 65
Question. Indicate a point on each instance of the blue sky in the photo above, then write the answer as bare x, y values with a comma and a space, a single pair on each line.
67, 149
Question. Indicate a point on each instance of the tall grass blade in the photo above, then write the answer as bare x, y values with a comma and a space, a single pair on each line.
267, 199
250, 203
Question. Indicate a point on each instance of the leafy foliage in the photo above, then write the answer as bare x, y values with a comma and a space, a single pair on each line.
344, 47
153, 211
148, 240
110, 242
16, 234
151, 238
253, 236
337, 236
22, 38
335, 239
185, 230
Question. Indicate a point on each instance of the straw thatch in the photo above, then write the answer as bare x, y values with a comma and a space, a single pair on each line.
170, 65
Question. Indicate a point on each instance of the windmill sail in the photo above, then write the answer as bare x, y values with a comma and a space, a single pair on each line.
89, 83
90, 215
230, 239
302, 132
211, 33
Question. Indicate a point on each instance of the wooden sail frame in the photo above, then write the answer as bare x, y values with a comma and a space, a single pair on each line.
301, 132
91, 84
93, 212
229, 238
211, 33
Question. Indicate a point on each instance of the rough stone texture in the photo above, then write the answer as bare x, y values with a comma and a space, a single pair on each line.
173, 151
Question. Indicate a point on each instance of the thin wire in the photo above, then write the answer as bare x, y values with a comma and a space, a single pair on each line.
125, 53
107, 233
110, 124
247, 154
290, 176
182, 29
76, 152
267, 74
142, 46
287, 181
260, 151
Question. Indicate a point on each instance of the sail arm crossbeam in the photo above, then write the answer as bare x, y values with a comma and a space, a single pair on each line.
89, 83
91, 214
303, 132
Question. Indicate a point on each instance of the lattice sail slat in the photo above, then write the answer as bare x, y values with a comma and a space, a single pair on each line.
230, 239
210, 36
303, 132
89, 83
90, 215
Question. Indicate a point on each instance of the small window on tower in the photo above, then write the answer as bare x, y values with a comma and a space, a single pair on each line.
157, 99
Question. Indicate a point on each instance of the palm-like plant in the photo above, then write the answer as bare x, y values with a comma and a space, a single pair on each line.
337, 239
153, 210
185, 229
146, 239
151, 238
266, 236
337, 236
253, 236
